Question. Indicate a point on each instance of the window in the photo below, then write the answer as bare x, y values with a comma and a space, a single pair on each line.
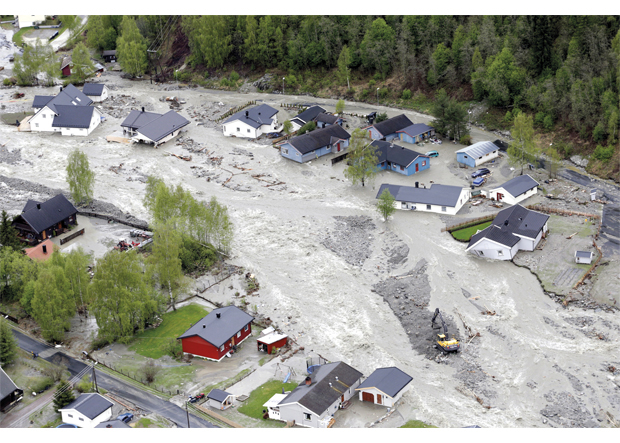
238, 334
480, 253
464, 156
36, 125
246, 327
443, 209
428, 207
44, 115
73, 103
222, 348
238, 129
424, 163
70, 415
80, 419
401, 168
500, 253
78, 99
307, 417
248, 131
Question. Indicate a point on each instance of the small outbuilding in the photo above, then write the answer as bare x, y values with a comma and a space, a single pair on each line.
323, 120
65, 66
109, 56
308, 115
219, 399
384, 387
87, 411
41, 252
477, 154
267, 343
515, 190
10, 394
584, 257
97, 92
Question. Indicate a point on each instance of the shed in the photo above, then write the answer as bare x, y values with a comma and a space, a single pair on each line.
271, 341
10, 394
219, 399
515, 190
65, 66
109, 56
87, 411
583, 257
97, 92
477, 154
384, 387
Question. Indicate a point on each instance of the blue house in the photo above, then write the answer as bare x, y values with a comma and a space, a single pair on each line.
477, 153
306, 116
388, 129
315, 144
416, 133
398, 159
323, 120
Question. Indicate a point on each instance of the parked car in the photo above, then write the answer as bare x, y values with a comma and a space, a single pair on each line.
126, 417
480, 172
273, 135
432, 154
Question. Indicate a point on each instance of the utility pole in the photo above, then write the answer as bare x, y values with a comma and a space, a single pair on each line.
377, 96
187, 414
95, 377
283, 85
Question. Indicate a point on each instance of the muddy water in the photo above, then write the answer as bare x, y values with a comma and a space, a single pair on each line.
328, 304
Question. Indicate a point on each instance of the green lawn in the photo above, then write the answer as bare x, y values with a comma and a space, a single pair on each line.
466, 233
416, 424
153, 342
17, 37
253, 406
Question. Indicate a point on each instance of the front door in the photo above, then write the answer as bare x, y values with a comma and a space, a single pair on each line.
44, 235
338, 147
500, 196
379, 401
417, 167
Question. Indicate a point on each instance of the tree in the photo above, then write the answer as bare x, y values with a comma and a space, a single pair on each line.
79, 177
381, 117
83, 67
450, 116
344, 60
35, 59
211, 40
385, 205
8, 343
8, 234
339, 107
16, 269
554, 159
75, 266
71, 23
362, 159
523, 148
378, 47
131, 48
150, 371
164, 262
52, 304
287, 127
95, 38
308, 127
64, 396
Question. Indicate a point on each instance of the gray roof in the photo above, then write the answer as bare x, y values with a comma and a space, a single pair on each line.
218, 331
416, 129
163, 126
52, 211
479, 149
90, 405
7, 387
118, 424
318, 138
310, 114
137, 119
519, 185
583, 254
499, 234
95, 89
65, 61
392, 153
391, 125
69, 95
390, 381
297, 121
442, 195
30, 204
218, 395
109, 52
41, 100
256, 116
68, 116
329, 382
327, 118
521, 221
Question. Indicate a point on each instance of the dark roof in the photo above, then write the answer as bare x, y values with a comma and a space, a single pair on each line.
163, 126
109, 52
318, 138
137, 119
442, 195
7, 387
387, 151
519, 185
218, 395
327, 118
499, 234
68, 116
416, 129
502, 145
41, 100
90, 405
70, 95
391, 125
310, 114
521, 221
30, 204
320, 395
256, 116
390, 381
52, 211
297, 121
583, 254
118, 424
95, 89
479, 149
218, 331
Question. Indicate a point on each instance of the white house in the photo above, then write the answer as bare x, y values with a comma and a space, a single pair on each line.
442, 199
252, 123
219, 399
513, 229
153, 128
384, 387
314, 402
583, 257
477, 154
515, 190
25, 21
97, 92
87, 411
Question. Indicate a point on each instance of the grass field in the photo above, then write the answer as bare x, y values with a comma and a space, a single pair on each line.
253, 406
466, 233
153, 342
416, 424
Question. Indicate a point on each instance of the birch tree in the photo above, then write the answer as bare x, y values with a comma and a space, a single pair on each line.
164, 262
523, 148
79, 177
362, 159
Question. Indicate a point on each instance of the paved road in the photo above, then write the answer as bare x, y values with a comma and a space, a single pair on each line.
141, 398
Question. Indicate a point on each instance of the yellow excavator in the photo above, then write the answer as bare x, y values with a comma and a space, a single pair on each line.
443, 343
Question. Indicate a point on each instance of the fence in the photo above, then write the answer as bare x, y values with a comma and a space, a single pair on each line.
166, 393
143, 227
468, 223
231, 111
71, 237
284, 137
567, 212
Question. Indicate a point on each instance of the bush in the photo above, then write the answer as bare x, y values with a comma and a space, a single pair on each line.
371, 84
99, 343
508, 117
548, 123
308, 127
174, 348
54, 373
603, 154
465, 140
383, 92
406, 94
42, 384
224, 83
599, 133
150, 371
539, 119
85, 386
7, 82
195, 256
381, 117
564, 149
364, 94
233, 76
184, 76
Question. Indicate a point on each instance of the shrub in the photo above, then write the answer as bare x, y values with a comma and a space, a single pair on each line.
364, 94
465, 140
508, 117
85, 386
406, 94
98, 343
174, 348
381, 117
383, 92
548, 122
224, 83
291, 81
54, 373
603, 154
599, 133
7, 82
195, 256
150, 371
42, 384
539, 119
371, 84
308, 127
233, 76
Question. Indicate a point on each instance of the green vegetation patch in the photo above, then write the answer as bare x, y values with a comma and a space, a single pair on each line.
466, 233
416, 424
253, 406
154, 343
17, 37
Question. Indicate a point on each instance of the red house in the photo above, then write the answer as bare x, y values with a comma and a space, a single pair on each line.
269, 341
218, 333
65, 66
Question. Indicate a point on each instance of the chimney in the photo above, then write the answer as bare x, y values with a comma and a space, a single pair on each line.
417, 184
38, 205
61, 89
247, 113
142, 108
506, 223
108, 425
308, 381
44, 247
283, 390
218, 315
205, 326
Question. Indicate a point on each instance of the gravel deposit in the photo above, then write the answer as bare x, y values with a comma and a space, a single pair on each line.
351, 239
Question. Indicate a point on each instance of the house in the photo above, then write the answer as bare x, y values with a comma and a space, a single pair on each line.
65, 66
69, 113
477, 154
217, 334
513, 229
442, 199
395, 158
41, 252
219, 399
39, 221
315, 144
26, 21
323, 120
252, 123
109, 56
97, 92
153, 128
10, 394
384, 387
87, 411
416, 133
388, 129
314, 402
270, 341
583, 257
515, 190
115, 424
306, 116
